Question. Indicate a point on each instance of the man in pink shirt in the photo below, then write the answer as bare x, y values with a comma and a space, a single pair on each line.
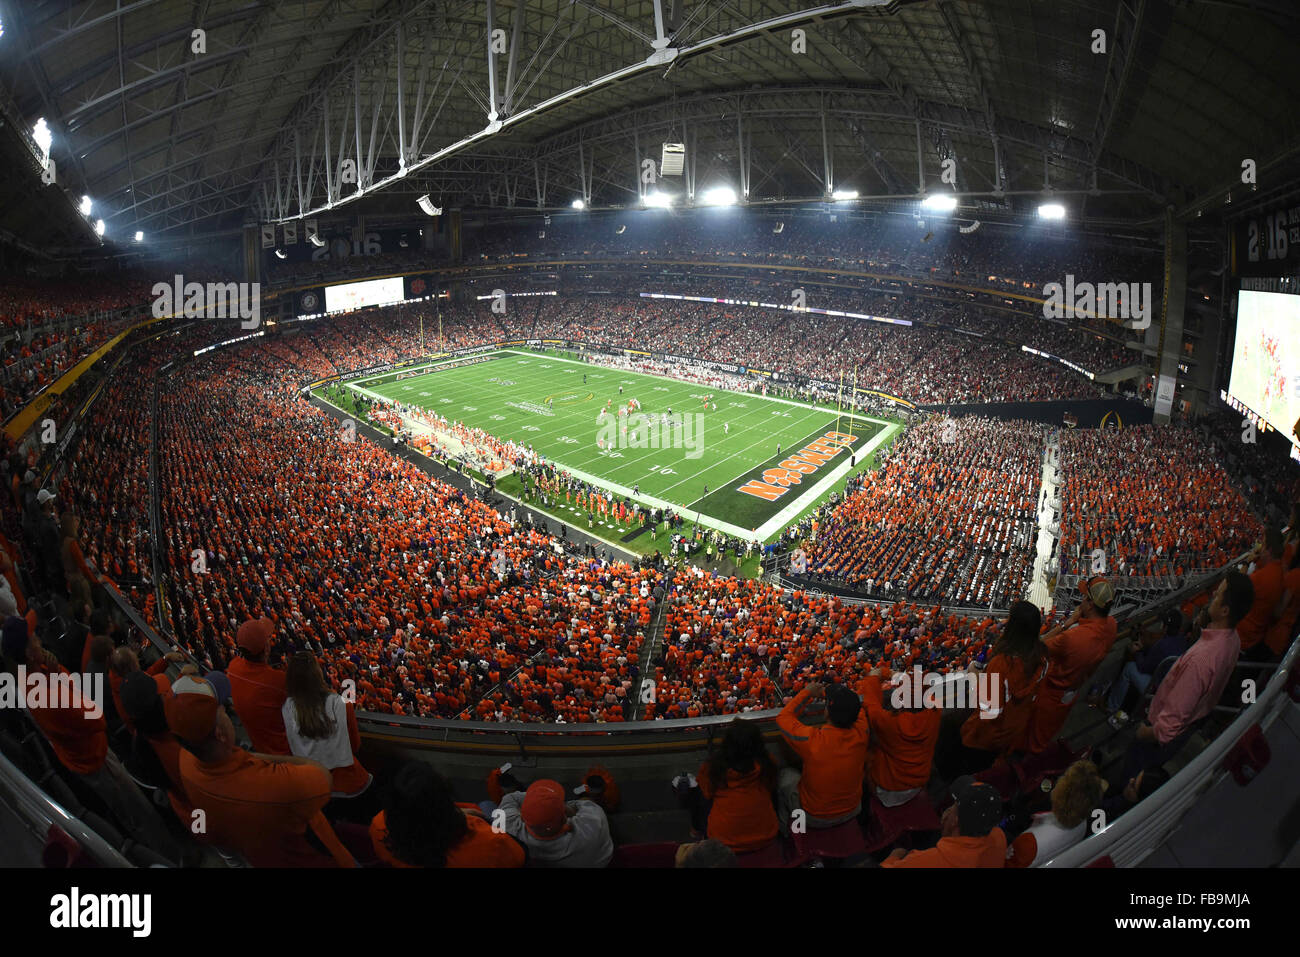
1197, 680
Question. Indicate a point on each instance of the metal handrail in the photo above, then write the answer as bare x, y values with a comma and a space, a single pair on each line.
1136, 834
40, 812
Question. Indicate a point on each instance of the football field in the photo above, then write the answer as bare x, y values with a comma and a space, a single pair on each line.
745, 463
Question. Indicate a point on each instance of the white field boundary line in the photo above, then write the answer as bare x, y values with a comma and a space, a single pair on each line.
414, 370
771, 525
653, 375
787, 514
633, 467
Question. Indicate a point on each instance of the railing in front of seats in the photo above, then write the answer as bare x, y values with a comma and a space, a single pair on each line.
1137, 834
39, 812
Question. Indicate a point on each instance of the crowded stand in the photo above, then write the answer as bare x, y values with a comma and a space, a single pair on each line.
1153, 500
932, 523
295, 564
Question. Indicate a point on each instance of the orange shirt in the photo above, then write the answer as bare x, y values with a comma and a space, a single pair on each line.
1268, 589
1075, 652
987, 851
481, 847
1016, 691
257, 692
743, 816
1279, 636
79, 741
902, 742
834, 760
259, 808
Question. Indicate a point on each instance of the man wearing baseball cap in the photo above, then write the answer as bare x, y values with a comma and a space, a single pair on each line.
265, 807
557, 833
970, 836
1075, 648
257, 689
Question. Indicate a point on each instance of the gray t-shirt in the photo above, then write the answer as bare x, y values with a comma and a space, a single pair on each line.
587, 843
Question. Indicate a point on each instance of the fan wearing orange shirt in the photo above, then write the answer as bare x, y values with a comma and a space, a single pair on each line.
1288, 607
1074, 650
901, 749
257, 689
423, 826
1269, 588
261, 806
1016, 667
834, 754
970, 836
739, 780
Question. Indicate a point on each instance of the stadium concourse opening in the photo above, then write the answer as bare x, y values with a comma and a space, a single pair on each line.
649, 436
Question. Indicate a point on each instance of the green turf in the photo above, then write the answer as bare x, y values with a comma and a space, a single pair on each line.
507, 395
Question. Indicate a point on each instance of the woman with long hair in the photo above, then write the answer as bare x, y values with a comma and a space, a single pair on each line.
320, 725
739, 779
1007, 689
421, 825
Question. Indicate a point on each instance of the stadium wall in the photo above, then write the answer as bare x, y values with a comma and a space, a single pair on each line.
1090, 413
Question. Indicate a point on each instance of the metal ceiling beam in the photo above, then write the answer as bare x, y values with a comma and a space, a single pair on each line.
654, 62
1128, 24
65, 35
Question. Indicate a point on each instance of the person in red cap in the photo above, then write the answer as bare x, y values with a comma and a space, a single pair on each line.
556, 833
257, 689
1075, 648
264, 807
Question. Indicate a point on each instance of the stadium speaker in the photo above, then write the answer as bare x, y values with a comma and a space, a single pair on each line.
778, 228
674, 159
310, 227
426, 204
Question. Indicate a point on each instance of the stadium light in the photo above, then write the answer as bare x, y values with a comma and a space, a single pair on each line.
578, 204
940, 202
41, 133
139, 236
658, 200
844, 194
719, 196
86, 205
1051, 211
99, 227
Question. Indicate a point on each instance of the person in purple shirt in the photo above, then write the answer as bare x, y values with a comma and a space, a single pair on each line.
1138, 671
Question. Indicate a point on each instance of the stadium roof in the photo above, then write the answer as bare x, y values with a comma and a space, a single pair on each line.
534, 103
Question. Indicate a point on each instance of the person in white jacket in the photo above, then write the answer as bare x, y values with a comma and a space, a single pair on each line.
556, 833
320, 725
